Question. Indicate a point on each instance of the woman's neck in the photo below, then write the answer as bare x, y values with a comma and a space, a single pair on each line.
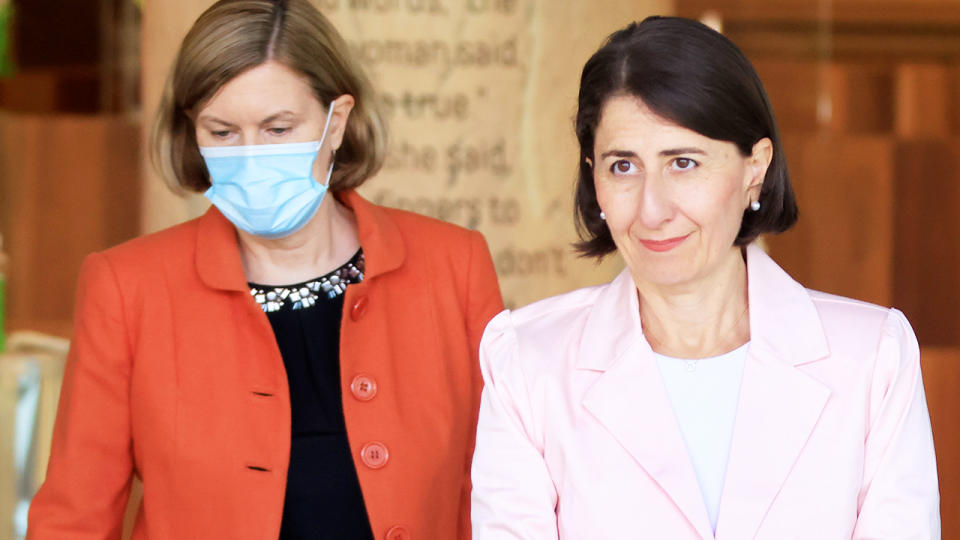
328, 240
698, 320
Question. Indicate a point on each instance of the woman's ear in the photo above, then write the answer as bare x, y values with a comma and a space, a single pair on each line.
343, 105
757, 165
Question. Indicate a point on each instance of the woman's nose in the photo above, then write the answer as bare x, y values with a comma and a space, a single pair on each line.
656, 203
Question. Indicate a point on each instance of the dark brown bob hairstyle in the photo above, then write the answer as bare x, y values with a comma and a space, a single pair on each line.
233, 36
693, 76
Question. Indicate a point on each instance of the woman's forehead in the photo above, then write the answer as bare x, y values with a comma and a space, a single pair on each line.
627, 121
264, 89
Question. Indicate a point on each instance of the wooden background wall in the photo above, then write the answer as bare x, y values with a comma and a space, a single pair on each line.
68, 185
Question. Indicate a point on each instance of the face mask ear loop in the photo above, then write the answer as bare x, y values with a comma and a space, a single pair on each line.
323, 137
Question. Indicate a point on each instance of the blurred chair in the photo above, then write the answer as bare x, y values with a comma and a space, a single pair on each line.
31, 371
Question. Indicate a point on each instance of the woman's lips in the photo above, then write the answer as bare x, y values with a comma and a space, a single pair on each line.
663, 245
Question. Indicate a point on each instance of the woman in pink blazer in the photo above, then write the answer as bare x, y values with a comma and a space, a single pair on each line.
703, 393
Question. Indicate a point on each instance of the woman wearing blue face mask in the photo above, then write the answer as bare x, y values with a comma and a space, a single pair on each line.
296, 363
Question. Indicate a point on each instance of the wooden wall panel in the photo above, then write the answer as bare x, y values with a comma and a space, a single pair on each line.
792, 88
841, 98
30, 91
70, 185
922, 96
838, 11
861, 98
953, 99
843, 242
941, 378
928, 238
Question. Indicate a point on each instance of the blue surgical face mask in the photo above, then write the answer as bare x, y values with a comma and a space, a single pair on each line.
267, 190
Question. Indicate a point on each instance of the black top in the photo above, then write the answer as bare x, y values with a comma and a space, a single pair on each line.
323, 498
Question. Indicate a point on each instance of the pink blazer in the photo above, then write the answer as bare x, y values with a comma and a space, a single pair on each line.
577, 438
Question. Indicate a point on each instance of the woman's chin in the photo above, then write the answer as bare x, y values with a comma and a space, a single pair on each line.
664, 275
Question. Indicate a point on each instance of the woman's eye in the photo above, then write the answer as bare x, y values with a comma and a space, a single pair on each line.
623, 166
684, 164
278, 130
221, 134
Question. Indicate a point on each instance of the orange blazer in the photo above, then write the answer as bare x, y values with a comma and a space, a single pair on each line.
174, 375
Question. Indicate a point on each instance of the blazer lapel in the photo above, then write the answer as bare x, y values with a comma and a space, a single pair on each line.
383, 247
779, 404
218, 254
630, 401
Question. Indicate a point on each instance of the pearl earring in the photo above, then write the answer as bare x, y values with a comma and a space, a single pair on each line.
755, 205
603, 216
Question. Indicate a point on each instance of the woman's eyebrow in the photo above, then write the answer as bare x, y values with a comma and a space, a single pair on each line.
663, 153
677, 151
207, 118
618, 153
282, 115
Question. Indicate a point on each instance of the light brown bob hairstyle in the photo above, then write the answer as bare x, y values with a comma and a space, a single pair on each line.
233, 36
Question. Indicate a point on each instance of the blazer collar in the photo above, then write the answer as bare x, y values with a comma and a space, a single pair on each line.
784, 323
218, 253
383, 247
613, 325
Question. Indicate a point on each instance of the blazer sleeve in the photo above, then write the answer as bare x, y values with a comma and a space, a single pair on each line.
483, 297
514, 496
899, 497
88, 478
483, 302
